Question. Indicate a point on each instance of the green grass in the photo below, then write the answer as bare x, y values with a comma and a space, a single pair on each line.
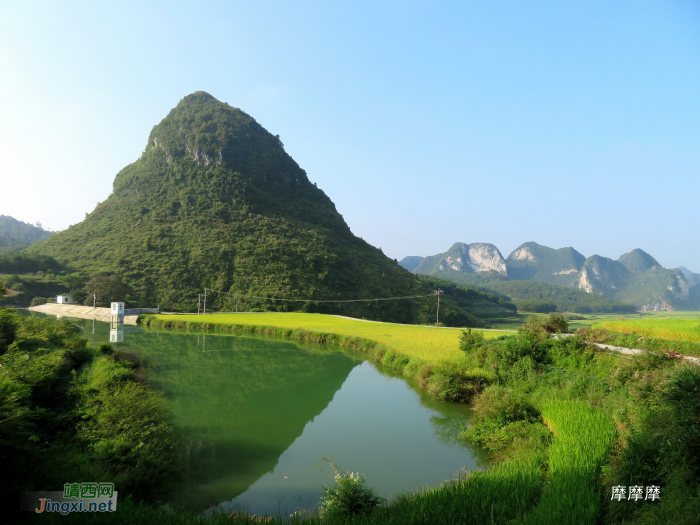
582, 436
430, 344
674, 329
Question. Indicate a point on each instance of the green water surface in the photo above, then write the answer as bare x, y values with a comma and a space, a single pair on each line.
255, 416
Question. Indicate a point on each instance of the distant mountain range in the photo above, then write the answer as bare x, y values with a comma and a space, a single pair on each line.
16, 235
635, 278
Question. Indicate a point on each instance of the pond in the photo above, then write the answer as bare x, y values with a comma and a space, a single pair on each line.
257, 416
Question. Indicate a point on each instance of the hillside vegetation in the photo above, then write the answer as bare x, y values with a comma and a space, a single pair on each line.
531, 296
216, 202
21, 232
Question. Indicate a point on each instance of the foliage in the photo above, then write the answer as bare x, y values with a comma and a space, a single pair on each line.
107, 289
566, 299
536, 305
469, 340
23, 232
549, 324
350, 496
67, 411
10, 245
631, 340
27, 263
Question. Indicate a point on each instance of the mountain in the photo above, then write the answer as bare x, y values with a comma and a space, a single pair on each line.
638, 261
411, 262
564, 298
533, 262
10, 244
692, 277
463, 258
22, 232
215, 201
635, 278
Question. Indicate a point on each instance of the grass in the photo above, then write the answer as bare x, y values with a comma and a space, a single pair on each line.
430, 344
673, 329
582, 436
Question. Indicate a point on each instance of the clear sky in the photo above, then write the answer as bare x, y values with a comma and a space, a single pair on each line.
427, 123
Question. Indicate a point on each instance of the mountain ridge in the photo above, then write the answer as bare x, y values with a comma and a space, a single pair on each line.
635, 278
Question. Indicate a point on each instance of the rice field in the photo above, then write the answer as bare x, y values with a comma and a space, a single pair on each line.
428, 343
672, 329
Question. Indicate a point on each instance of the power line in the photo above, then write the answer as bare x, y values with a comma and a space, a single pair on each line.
432, 294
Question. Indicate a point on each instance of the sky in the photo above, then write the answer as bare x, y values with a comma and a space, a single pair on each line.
427, 123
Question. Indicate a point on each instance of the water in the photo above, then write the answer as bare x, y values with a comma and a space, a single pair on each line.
255, 417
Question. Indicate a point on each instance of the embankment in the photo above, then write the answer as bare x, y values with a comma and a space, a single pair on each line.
83, 312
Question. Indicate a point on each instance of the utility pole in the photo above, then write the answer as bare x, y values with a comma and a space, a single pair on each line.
94, 301
438, 292
205, 301
236, 304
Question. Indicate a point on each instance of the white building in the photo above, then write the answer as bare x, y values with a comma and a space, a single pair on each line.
117, 309
64, 299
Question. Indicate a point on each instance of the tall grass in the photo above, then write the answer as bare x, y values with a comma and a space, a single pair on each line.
430, 344
506, 492
673, 329
582, 435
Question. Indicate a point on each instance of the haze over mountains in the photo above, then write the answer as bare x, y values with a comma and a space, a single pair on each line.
635, 278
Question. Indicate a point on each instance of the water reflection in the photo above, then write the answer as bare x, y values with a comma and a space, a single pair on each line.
254, 416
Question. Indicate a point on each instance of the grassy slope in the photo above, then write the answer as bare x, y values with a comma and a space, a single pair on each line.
428, 343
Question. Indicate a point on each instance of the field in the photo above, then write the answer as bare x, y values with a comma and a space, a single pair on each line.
428, 343
663, 328
596, 320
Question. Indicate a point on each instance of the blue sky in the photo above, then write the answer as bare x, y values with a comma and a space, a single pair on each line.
427, 123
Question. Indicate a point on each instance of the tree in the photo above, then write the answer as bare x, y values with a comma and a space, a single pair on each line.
107, 289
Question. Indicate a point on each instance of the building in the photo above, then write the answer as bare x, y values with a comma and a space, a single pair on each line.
64, 299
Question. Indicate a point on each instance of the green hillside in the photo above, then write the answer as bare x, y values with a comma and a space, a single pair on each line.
10, 244
529, 293
533, 262
411, 262
215, 201
638, 261
22, 232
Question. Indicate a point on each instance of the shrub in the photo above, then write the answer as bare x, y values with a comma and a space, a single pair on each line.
350, 496
541, 326
469, 340
38, 300
452, 382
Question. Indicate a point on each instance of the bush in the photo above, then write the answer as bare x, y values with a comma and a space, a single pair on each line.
452, 382
469, 340
541, 326
38, 300
350, 496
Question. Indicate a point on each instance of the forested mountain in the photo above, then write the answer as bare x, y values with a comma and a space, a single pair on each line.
534, 296
635, 278
10, 244
215, 201
411, 262
533, 262
22, 232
